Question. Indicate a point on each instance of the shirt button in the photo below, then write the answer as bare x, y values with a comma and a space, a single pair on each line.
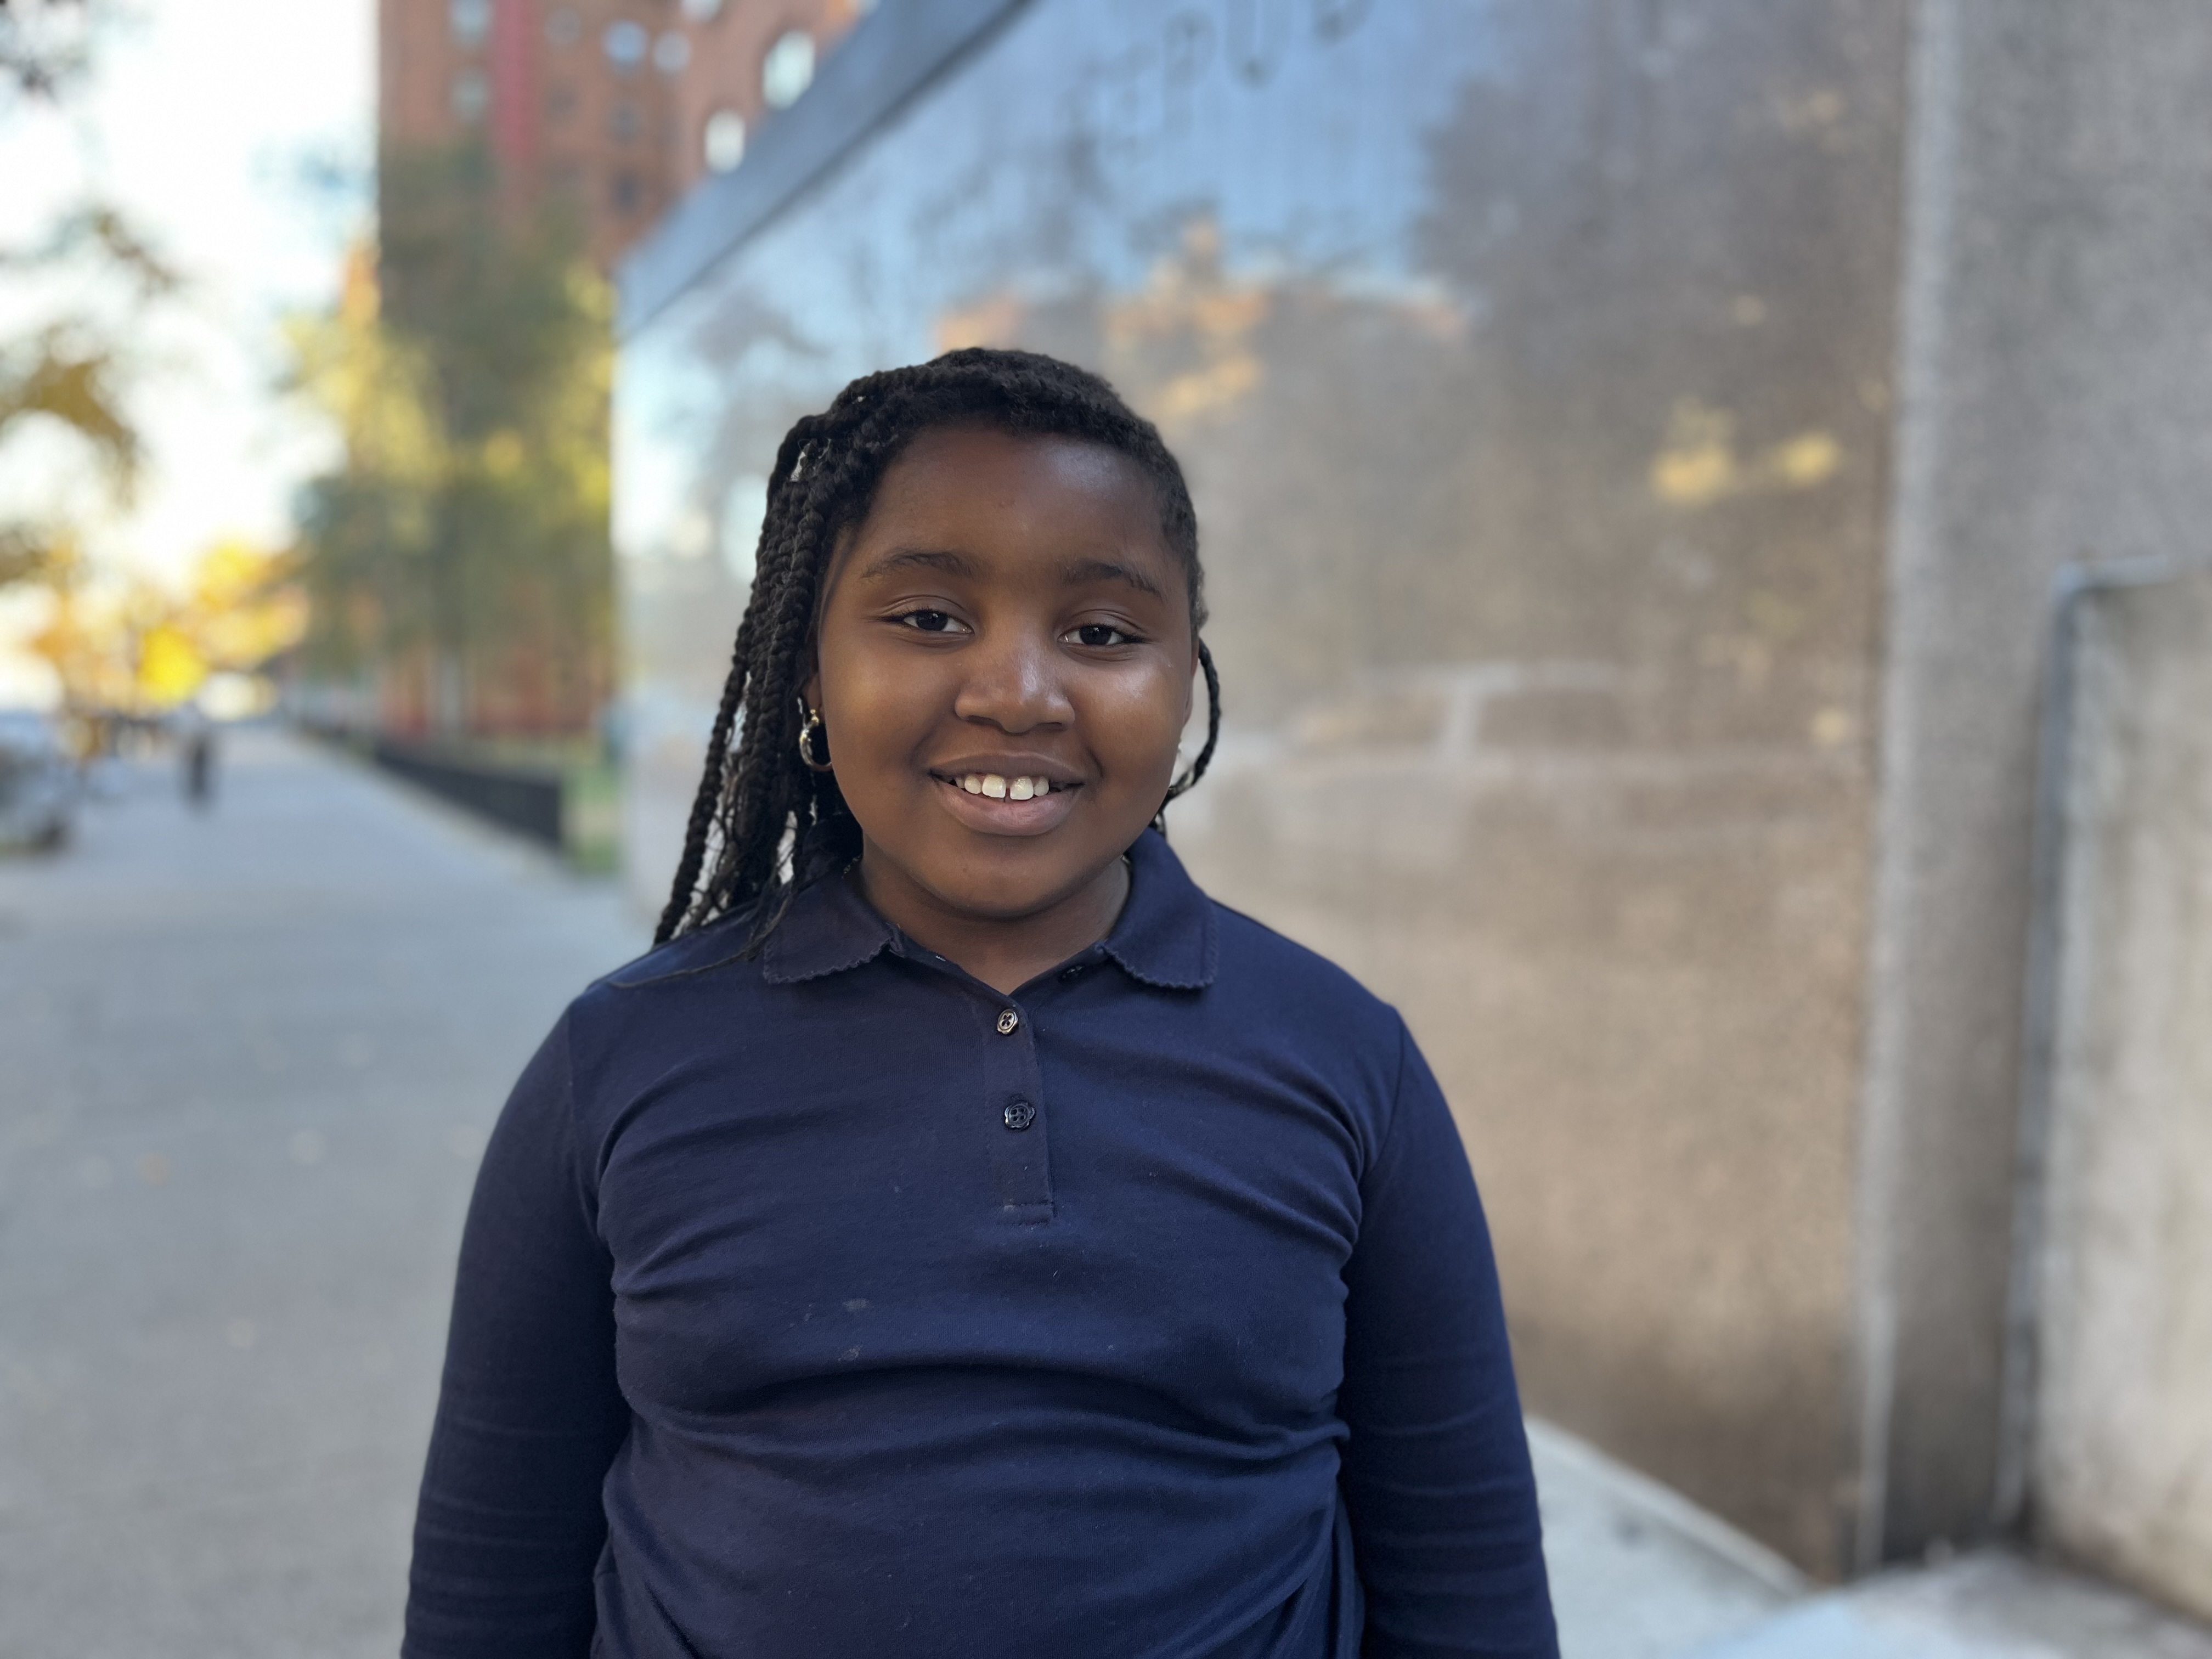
1008, 1020
1019, 1114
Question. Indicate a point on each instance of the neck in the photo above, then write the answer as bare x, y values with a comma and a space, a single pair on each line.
1004, 952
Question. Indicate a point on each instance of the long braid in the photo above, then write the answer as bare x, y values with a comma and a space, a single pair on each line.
757, 806
706, 798
1181, 786
771, 796
713, 780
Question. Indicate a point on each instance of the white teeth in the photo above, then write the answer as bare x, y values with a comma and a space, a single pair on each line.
998, 788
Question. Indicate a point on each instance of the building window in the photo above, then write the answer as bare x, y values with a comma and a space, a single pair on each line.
702, 11
788, 69
471, 96
627, 192
626, 44
623, 121
471, 21
722, 143
563, 28
560, 102
672, 53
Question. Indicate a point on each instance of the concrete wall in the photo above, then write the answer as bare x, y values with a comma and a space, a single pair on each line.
2056, 406
1530, 361
1633, 442
2123, 1445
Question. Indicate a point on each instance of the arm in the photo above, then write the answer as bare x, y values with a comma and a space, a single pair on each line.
510, 1524
1436, 1474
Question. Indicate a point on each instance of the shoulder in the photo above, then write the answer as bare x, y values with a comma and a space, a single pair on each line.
1315, 1024
720, 944
697, 1005
1304, 989
709, 963
1177, 935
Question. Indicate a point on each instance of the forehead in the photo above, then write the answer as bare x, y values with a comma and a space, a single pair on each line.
980, 490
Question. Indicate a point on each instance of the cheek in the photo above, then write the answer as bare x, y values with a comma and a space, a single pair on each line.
1136, 722
875, 715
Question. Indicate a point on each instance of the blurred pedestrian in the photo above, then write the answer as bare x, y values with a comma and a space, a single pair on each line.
780, 1330
196, 743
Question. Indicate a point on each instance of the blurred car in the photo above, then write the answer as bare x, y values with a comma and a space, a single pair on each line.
38, 782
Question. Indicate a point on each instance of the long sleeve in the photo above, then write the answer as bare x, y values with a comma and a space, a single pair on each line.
1435, 1478
510, 1522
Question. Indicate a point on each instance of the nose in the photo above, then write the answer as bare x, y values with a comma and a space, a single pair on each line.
1013, 682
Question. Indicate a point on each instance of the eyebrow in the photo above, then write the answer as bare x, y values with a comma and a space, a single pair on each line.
1075, 574
1105, 570
909, 558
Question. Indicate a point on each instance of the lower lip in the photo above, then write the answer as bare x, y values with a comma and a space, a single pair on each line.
993, 816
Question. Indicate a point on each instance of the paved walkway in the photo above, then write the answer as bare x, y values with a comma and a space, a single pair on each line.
247, 1059
1638, 1573
1988, 1606
250, 1059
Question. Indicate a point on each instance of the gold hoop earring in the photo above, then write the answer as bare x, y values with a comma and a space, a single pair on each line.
807, 745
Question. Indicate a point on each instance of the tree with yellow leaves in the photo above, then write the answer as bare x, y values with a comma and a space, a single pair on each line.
66, 369
123, 642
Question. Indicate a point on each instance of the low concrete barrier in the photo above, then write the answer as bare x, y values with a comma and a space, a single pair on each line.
2121, 1473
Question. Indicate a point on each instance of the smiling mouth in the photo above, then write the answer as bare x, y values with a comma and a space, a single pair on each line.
1006, 803
999, 786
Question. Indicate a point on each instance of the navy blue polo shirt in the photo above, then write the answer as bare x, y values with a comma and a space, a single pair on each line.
831, 1304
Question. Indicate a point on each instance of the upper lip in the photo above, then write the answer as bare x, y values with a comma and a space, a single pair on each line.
1006, 766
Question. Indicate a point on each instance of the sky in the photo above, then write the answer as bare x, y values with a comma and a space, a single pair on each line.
209, 122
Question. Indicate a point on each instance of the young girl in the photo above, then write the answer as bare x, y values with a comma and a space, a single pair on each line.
961, 1237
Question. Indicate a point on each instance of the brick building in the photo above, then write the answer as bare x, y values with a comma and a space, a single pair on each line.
622, 104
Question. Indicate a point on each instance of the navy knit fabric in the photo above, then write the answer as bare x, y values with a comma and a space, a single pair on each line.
833, 1305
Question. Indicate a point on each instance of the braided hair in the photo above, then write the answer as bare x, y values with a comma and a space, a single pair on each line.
762, 820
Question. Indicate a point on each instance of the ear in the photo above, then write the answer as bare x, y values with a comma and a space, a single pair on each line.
811, 687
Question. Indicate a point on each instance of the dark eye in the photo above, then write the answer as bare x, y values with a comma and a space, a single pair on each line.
1100, 633
929, 621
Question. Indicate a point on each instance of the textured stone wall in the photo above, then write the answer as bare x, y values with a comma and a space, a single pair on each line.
2123, 1447
1530, 362
2055, 406
1633, 443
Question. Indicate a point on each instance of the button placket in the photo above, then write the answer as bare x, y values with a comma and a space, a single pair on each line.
1012, 1105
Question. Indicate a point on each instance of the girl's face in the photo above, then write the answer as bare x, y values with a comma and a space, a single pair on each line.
1003, 669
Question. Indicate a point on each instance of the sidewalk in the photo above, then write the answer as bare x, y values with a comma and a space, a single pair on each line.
1640, 1573
251, 1058
1986, 1607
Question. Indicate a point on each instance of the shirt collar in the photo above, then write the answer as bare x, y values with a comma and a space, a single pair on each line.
1166, 933
1165, 936
828, 928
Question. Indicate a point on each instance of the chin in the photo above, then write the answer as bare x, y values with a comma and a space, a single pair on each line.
1008, 897
1004, 880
